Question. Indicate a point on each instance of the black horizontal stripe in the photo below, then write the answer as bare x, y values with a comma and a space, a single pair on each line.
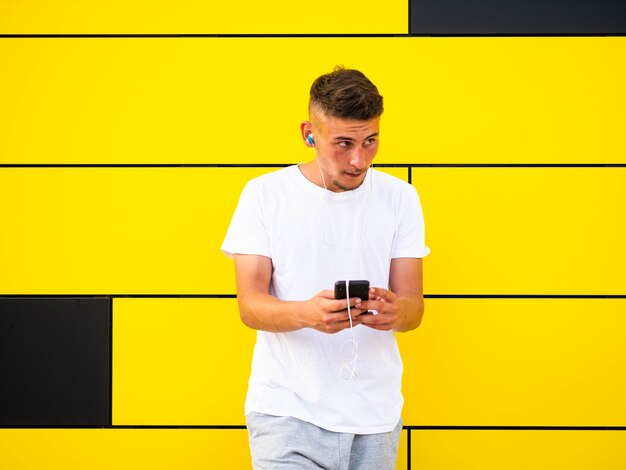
406, 427
129, 426
234, 296
525, 296
203, 35
297, 35
280, 165
144, 165
514, 165
516, 428
120, 296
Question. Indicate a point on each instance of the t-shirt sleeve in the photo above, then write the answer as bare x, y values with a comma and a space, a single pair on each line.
410, 235
247, 233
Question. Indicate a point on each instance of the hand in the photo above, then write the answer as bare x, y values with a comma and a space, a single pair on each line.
383, 301
326, 314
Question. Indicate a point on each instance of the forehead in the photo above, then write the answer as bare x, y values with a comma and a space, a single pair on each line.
332, 126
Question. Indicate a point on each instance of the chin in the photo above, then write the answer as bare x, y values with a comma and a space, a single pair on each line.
348, 186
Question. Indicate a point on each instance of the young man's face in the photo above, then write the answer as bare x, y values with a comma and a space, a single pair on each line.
345, 149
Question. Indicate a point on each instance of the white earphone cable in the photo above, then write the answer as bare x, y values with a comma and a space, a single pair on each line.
349, 349
349, 357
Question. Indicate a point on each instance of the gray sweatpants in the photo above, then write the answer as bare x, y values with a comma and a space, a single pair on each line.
286, 443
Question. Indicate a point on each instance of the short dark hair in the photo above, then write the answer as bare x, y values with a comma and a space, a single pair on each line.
346, 94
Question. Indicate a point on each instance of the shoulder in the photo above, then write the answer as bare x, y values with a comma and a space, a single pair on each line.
270, 188
395, 194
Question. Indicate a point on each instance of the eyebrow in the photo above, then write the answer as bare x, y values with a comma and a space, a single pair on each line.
375, 134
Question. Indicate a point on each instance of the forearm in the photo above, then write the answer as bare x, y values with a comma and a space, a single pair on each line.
410, 313
265, 312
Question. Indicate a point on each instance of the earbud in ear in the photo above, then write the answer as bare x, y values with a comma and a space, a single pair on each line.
310, 139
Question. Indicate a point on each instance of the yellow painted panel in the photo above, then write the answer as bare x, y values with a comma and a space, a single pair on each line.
472, 362
234, 100
119, 230
123, 449
198, 17
516, 362
403, 449
179, 361
518, 450
524, 230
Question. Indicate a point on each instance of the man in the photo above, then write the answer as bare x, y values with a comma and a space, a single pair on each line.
326, 374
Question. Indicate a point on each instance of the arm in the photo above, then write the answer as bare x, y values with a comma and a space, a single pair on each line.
261, 311
401, 308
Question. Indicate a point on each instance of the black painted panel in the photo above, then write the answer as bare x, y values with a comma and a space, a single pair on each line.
55, 362
518, 17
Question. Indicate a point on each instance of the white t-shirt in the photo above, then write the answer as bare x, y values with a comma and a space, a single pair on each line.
314, 238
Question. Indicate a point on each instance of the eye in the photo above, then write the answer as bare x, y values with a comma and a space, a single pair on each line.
370, 141
344, 143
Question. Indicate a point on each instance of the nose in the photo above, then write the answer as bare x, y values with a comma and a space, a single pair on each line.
357, 158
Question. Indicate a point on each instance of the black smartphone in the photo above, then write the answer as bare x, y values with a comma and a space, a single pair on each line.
356, 289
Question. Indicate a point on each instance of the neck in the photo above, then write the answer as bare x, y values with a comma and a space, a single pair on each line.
313, 172
322, 174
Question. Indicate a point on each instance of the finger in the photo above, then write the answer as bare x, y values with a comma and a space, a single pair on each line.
342, 315
381, 319
374, 323
378, 293
354, 316
341, 304
341, 325
327, 294
380, 306
379, 327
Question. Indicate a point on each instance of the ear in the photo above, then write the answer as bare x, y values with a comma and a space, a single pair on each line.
306, 128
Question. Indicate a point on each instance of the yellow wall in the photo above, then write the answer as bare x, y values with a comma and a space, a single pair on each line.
202, 17
513, 231
214, 100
